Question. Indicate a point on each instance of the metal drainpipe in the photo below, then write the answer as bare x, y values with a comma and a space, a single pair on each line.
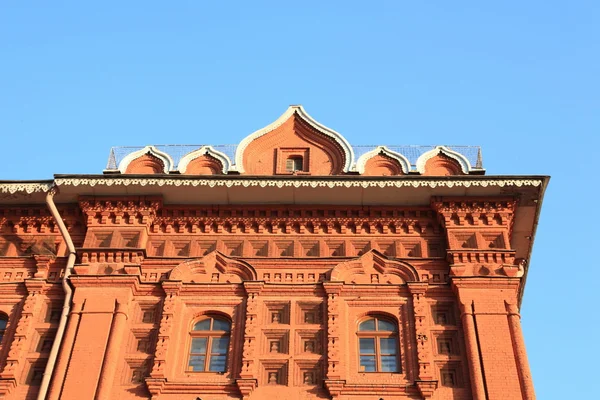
68, 295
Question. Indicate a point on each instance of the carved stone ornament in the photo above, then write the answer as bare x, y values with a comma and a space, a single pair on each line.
215, 267
374, 267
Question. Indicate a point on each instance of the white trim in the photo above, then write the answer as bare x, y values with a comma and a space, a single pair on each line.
337, 137
164, 157
362, 160
296, 183
463, 161
205, 150
28, 188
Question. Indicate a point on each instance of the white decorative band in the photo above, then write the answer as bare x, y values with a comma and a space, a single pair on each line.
28, 188
295, 182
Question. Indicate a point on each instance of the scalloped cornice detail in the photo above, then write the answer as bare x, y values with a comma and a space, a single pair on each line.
280, 183
28, 188
164, 157
464, 163
362, 160
299, 110
205, 150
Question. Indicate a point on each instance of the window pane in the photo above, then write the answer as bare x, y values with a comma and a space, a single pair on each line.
217, 364
367, 364
387, 326
388, 346
389, 364
3, 324
196, 363
202, 325
298, 164
199, 345
368, 325
220, 345
221, 325
367, 346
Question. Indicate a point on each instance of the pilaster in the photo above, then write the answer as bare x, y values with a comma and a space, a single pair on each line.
425, 382
11, 374
333, 382
249, 374
158, 375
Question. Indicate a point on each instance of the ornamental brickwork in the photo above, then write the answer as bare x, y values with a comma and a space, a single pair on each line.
340, 276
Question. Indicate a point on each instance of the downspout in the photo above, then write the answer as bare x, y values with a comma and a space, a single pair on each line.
68, 294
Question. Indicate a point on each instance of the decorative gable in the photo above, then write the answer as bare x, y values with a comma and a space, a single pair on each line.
294, 144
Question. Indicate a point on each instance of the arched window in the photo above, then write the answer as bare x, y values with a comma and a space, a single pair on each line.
3, 323
378, 345
210, 342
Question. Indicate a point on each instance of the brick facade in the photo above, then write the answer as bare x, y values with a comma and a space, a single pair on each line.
261, 282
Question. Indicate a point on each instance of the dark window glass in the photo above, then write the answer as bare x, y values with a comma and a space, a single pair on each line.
378, 346
209, 346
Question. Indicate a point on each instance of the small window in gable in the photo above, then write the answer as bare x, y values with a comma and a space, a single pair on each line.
294, 164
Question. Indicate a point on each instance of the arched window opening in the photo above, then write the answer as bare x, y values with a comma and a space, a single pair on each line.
378, 345
209, 345
294, 164
3, 323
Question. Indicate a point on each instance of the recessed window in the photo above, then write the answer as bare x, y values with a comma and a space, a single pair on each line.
3, 323
210, 342
378, 345
294, 164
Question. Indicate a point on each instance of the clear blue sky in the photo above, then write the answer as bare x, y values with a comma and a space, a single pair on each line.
520, 78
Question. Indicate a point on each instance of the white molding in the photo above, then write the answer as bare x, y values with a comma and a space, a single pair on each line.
463, 161
164, 157
205, 150
337, 137
296, 183
362, 160
28, 188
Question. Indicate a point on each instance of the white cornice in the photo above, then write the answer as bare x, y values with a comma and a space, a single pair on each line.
280, 183
362, 160
164, 157
464, 163
205, 150
337, 137
28, 188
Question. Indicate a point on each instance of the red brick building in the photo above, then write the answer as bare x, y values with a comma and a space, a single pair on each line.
291, 266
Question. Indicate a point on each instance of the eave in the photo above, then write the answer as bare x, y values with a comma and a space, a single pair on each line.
396, 191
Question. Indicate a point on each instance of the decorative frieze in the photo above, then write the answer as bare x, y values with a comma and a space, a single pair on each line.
119, 211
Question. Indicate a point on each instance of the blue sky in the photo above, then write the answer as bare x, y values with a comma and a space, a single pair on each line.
521, 79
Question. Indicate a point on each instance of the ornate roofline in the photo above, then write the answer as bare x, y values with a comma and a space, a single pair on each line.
362, 160
164, 157
26, 187
291, 182
298, 109
464, 163
204, 150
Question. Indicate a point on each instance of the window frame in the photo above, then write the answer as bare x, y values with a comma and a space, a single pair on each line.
377, 335
3, 329
296, 161
210, 335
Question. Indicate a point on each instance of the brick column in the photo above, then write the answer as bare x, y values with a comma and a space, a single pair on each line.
158, 375
111, 357
10, 375
425, 381
248, 376
514, 322
477, 384
334, 382
60, 370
